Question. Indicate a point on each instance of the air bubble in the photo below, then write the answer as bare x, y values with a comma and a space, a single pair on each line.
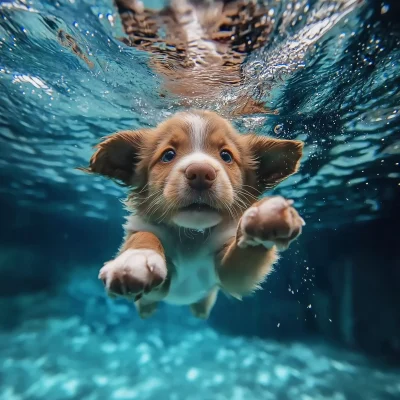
278, 129
384, 9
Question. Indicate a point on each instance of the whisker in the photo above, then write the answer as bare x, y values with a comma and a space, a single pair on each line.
167, 210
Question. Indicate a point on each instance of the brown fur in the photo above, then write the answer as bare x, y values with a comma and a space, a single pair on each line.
242, 270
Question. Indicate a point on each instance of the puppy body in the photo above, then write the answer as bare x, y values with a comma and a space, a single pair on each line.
191, 255
196, 224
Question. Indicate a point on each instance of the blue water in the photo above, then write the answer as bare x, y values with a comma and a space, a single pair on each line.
325, 318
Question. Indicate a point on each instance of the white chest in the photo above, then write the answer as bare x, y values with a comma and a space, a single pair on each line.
193, 275
191, 260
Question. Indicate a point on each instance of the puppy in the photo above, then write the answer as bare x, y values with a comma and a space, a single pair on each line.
196, 224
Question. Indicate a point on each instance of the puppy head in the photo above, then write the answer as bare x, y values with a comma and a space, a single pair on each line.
194, 170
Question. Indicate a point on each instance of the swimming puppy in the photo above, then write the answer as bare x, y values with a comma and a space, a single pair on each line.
196, 224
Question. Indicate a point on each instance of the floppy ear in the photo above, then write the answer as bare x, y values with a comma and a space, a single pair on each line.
275, 159
117, 155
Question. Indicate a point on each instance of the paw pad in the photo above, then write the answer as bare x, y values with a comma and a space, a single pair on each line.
272, 221
133, 273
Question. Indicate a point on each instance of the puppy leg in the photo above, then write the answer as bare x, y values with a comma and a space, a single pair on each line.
246, 260
147, 305
139, 269
145, 310
202, 308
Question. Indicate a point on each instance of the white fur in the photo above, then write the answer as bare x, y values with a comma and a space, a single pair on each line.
198, 157
138, 262
192, 271
197, 130
222, 183
194, 276
251, 242
199, 220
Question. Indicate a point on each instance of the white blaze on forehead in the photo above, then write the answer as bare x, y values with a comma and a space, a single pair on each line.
197, 130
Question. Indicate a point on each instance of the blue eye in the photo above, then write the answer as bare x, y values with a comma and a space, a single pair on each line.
168, 156
226, 156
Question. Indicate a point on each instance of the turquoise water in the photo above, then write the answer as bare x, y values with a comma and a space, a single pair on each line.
325, 318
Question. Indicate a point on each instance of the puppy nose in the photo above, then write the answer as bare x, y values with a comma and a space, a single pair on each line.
200, 176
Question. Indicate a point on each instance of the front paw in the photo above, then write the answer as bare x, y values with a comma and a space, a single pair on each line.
133, 273
272, 221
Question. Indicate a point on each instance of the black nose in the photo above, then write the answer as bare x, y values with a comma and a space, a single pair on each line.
200, 176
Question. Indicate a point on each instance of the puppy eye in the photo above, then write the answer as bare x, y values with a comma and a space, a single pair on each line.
168, 156
226, 156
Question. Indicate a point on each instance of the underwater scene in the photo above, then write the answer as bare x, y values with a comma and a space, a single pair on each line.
305, 97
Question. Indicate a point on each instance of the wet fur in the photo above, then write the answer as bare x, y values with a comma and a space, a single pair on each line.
182, 266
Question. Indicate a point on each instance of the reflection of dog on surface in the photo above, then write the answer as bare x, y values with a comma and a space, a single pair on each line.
197, 225
198, 46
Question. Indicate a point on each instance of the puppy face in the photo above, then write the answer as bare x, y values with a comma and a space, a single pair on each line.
194, 170
197, 170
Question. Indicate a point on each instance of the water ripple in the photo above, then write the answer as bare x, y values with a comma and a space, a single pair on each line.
329, 70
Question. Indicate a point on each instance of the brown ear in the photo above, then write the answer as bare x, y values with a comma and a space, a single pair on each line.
275, 159
117, 155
